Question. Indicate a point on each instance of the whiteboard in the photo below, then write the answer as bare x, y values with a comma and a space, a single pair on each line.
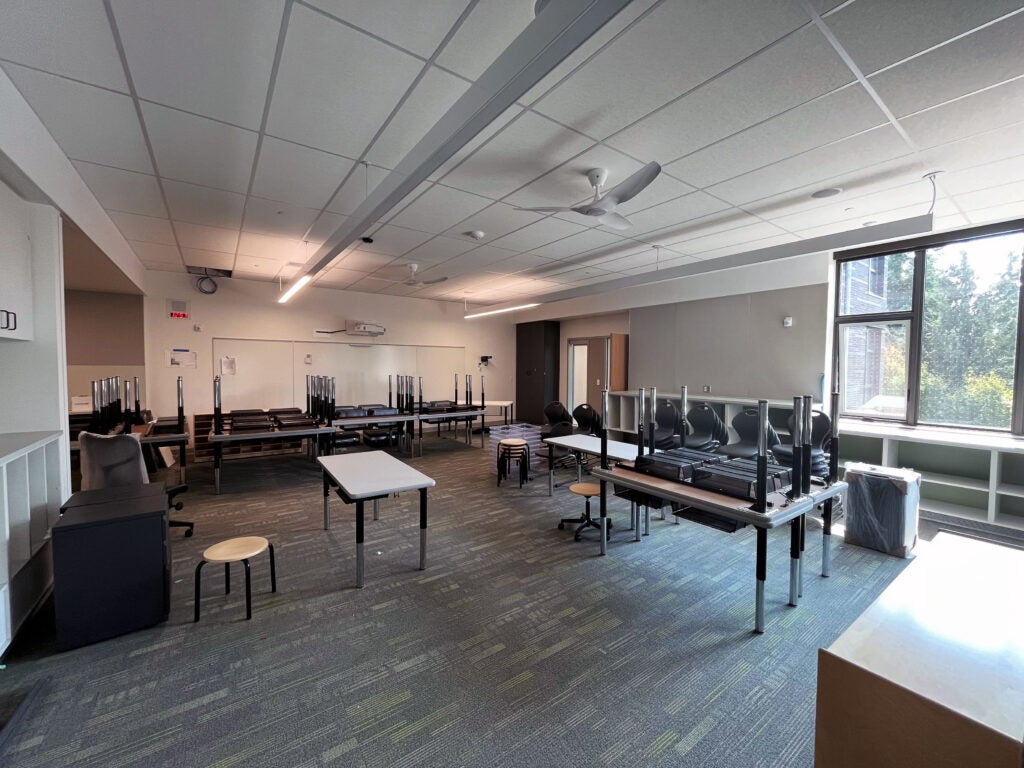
272, 373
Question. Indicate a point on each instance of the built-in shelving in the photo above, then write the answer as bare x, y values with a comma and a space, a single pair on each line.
30, 490
966, 475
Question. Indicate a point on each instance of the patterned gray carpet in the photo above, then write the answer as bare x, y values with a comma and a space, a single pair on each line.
516, 647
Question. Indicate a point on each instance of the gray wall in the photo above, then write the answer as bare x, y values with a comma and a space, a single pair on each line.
737, 344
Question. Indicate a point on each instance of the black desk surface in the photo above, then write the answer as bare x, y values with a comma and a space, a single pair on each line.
110, 503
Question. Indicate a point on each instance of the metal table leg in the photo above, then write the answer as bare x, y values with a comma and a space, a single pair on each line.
794, 560
423, 529
604, 517
761, 571
218, 458
826, 538
359, 543
327, 501
551, 469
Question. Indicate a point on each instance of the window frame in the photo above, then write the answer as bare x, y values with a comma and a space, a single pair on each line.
915, 318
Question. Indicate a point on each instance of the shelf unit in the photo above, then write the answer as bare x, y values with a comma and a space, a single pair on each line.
30, 490
966, 476
623, 408
204, 448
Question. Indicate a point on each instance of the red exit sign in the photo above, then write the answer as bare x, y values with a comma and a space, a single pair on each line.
179, 315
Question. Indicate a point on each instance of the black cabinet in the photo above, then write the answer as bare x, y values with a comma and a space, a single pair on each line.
111, 568
537, 346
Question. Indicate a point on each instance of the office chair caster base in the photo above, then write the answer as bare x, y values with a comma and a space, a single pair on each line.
561, 526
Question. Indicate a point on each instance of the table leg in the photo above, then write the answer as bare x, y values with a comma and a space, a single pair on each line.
551, 469
647, 520
604, 517
218, 458
182, 461
327, 500
636, 534
794, 560
423, 529
376, 509
826, 538
800, 561
359, 543
761, 573
579, 467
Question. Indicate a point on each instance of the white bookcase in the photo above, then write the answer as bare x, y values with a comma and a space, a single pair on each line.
30, 499
965, 475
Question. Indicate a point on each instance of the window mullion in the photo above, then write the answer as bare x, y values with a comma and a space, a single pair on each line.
914, 350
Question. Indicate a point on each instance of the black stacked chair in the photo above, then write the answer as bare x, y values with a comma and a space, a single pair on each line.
821, 436
746, 425
347, 437
382, 434
587, 419
707, 430
555, 413
666, 429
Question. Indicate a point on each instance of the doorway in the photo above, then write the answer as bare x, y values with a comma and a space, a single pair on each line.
588, 371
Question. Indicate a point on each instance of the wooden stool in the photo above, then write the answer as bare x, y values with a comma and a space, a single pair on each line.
231, 551
517, 449
586, 490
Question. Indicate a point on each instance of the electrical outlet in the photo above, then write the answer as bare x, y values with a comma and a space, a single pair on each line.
707, 388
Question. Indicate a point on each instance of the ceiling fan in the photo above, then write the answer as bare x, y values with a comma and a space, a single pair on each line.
412, 277
603, 205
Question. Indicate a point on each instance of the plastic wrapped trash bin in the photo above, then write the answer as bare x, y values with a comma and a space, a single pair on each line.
881, 508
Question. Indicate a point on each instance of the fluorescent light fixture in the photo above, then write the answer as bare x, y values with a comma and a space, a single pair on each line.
296, 286
498, 311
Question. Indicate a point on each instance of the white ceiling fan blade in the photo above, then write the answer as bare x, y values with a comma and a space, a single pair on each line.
632, 186
547, 209
614, 220
434, 281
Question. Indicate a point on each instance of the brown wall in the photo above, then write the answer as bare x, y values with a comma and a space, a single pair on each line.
104, 328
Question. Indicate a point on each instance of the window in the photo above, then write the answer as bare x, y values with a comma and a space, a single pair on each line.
931, 334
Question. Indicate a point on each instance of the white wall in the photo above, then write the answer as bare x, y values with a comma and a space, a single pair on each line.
248, 309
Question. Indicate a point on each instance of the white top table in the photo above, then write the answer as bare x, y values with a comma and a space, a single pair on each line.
372, 475
589, 445
948, 630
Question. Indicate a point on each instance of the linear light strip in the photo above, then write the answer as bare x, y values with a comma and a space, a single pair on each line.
296, 286
498, 311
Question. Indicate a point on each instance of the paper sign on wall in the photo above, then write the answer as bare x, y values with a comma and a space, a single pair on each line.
228, 367
180, 358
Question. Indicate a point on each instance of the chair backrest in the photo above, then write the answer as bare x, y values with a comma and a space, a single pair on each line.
349, 413
555, 412
821, 429
372, 405
746, 422
560, 429
666, 416
382, 412
586, 417
704, 420
111, 460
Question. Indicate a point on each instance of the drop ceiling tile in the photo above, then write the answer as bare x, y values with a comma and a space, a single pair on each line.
1003, 212
364, 261
339, 278
491, 27
977, 150
535, 235
745, 247
274, 248
156, 253
298, 175
411, 24
851, 154
325, 226
824, 6
521, 262
700, 246
440, 208
245, 274
202, 205
877, 33
647, 257
856, 208
495, 221
213, 59
270, 217
160, 266
984, 176
287, 271
977, 61
418, 191
250, 266
200, 151
66, 37
428, 102
123, 191
833, 117
990, 109
994, 196
473, 261
673, 49
439, 249
371, 285
675, 237
335, 86
362, 181
88, 123
675, 212
146, 229
481, 138
206, 238
523, 151
584, 241
395, 241
196, 257
799, 68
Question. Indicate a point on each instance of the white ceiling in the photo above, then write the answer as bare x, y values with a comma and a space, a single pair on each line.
238, 134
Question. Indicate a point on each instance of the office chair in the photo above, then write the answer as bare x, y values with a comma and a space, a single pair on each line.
821, 436
109, 461
554, 413
666, 426
746, 424
707, 430
587, 419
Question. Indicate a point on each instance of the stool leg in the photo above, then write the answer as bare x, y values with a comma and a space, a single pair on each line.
273, 571
227, 578
199, 571
248, 591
